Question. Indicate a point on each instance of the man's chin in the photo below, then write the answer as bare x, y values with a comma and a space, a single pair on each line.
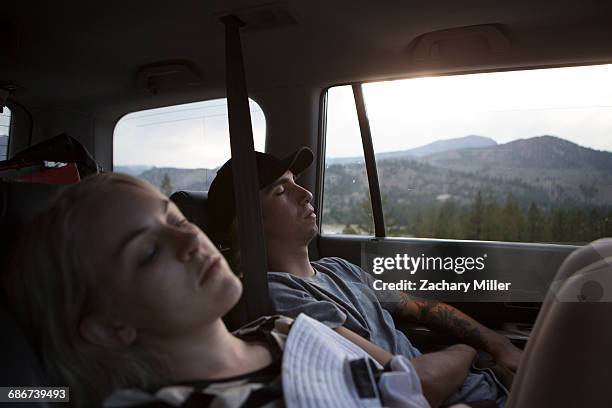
312, 233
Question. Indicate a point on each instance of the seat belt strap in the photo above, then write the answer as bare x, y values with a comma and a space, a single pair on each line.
246, 182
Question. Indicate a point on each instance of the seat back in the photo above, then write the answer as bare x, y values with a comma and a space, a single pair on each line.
567, 359
19, 203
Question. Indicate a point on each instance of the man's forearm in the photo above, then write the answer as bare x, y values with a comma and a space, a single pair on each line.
443, 372
446, 318
377, 353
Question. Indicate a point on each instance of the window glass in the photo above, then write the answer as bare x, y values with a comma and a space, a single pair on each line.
179, 147
5, 126
511, 156
347, 208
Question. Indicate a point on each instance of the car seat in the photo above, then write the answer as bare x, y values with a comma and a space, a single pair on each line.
19, 202
568, 359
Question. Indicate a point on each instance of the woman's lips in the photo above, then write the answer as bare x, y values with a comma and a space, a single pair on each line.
209, 267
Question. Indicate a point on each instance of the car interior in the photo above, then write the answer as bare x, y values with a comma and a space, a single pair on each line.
83, 69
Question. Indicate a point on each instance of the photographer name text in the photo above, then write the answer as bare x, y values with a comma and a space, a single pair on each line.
427, 285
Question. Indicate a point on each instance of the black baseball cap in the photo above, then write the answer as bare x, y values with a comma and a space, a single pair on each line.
221, 201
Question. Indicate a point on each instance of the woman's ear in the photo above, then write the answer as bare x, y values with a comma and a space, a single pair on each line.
106, 334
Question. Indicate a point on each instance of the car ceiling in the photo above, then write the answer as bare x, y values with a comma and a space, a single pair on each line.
84, 55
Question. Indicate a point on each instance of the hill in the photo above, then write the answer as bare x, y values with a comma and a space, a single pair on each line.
567, 172
548, 171
460, 143
466, 142
181, 179
132, 170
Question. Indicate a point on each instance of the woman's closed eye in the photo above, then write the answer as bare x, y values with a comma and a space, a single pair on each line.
149, 254
181, 223
279, 190
178, 222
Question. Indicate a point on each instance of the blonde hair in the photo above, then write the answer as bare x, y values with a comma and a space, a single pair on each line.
51, 288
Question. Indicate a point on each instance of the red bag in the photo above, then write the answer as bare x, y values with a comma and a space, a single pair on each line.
45, 172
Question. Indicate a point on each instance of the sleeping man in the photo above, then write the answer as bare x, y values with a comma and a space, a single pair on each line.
338, 293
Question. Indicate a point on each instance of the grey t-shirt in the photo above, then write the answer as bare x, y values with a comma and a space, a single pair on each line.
341, 294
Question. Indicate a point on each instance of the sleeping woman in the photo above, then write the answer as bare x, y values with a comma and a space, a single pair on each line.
118, 290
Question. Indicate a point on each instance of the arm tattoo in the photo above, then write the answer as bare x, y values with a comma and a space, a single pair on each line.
442, 317
404, 304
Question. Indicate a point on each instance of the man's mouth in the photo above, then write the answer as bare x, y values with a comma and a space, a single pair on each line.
310, 214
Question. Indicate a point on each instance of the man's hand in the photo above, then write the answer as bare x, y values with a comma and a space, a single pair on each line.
446, 318
506, 354
443, 372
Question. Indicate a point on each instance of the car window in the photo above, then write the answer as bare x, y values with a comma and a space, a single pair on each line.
511, 156
179, 147
346, 197
5, 127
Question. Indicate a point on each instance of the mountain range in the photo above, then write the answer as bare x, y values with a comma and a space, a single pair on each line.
545, 169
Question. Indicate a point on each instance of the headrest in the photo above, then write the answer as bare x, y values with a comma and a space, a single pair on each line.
194, 205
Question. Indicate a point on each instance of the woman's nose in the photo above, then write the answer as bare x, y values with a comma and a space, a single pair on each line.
187, 244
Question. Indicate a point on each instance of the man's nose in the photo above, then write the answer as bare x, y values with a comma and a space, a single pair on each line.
305, 195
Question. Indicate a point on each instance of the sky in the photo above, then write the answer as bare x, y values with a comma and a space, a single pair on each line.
572, 103
193, 135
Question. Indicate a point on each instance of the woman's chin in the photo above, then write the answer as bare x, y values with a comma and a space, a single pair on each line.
232, 290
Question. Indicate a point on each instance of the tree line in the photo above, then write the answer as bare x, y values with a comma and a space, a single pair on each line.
486, 218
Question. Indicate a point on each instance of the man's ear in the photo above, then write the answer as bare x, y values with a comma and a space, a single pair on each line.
106, 334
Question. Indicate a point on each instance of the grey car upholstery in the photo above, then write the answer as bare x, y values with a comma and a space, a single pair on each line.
568, 359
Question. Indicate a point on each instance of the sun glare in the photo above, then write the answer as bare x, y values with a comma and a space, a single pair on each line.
573, 103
